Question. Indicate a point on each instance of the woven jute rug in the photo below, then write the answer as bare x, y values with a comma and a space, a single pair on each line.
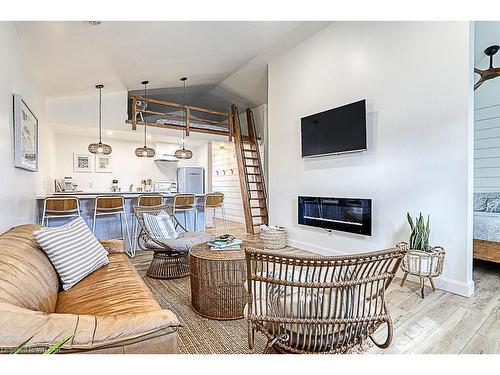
199, 335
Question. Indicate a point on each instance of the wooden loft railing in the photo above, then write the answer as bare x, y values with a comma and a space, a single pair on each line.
222, 127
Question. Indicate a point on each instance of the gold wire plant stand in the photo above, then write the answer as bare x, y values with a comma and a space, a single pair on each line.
217, 282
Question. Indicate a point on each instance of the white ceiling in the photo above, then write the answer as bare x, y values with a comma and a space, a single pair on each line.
225, 61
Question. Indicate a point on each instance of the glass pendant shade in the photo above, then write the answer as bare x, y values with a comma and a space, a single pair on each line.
100, 148
183, 153
144, 152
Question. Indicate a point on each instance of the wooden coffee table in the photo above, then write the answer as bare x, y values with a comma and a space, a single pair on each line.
217, 281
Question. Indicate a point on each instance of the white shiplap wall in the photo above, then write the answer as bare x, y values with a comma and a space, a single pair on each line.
224, 160
487, 149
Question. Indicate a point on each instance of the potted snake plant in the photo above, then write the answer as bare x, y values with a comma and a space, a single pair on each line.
421, 260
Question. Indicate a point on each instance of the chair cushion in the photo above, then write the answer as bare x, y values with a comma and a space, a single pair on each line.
160, 226
185, 241
73, 250
114, 289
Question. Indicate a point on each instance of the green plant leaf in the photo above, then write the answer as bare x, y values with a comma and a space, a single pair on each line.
20, 347
410, 221
54, 348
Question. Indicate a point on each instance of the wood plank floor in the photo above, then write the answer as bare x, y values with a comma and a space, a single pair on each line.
442, 323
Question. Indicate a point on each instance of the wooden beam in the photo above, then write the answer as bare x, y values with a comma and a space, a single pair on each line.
231, 128
180, 127
134, 114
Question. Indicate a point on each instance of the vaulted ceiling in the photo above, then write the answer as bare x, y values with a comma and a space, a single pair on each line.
226, 62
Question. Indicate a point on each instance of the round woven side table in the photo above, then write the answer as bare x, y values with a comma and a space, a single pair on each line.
217, 282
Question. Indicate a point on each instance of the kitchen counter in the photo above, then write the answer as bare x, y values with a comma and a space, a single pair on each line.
108, 227
125, 194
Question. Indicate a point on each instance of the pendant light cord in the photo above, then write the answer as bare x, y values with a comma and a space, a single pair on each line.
145, 126
100, 115
184, 110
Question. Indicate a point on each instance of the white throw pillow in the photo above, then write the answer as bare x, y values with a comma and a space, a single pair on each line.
73, 250
160, 226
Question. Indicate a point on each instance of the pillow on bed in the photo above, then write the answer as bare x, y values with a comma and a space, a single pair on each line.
73, 250
160, 226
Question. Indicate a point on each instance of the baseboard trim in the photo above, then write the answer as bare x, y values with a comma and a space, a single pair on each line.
443, 283
449, 285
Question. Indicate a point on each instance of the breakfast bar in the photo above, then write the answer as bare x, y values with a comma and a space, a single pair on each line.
108, 227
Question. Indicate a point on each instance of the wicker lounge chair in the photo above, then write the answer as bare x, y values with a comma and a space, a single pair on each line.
170, 259
319, 304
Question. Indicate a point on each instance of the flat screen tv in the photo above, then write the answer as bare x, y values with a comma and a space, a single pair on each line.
335, 131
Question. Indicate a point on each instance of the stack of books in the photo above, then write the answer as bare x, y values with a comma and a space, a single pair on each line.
225, 242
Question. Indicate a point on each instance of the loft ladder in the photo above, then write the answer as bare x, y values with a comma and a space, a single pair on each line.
250, 171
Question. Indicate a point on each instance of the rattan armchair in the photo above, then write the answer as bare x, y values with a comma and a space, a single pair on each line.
317, 304
171, 258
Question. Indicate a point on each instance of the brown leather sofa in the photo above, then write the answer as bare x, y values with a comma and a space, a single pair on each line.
110, 311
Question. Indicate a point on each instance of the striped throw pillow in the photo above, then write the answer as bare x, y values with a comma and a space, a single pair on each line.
73, 250
160, 226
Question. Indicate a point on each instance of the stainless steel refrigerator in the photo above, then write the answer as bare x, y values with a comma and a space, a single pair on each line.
191, 180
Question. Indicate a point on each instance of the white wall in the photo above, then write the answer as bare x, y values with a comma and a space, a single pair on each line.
19, 187
126, 167
417, 80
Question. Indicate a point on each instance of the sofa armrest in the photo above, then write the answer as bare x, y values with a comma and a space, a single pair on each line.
113, 246
90, 332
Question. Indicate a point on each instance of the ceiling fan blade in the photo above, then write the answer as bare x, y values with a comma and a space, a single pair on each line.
479, 71
478, 83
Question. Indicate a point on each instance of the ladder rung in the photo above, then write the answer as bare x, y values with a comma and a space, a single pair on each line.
259, 224
250, 158
249, 150
257, 198
259, 215
255, 190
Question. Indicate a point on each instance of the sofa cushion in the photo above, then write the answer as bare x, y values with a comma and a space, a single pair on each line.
111, 290
27, 278
73, 250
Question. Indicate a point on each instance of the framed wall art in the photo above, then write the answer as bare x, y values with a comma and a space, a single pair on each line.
25, 135
103, 164
81, 163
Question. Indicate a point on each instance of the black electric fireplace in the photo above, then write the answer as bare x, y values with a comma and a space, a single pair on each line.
344, 214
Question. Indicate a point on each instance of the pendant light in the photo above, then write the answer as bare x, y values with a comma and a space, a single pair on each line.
145, 152
100, 148
183, 153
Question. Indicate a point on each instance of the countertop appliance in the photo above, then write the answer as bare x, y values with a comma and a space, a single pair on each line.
165, 186
191, 180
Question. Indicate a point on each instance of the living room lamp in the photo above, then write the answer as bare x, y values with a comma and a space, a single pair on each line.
100, 148
183, 153
144, 152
